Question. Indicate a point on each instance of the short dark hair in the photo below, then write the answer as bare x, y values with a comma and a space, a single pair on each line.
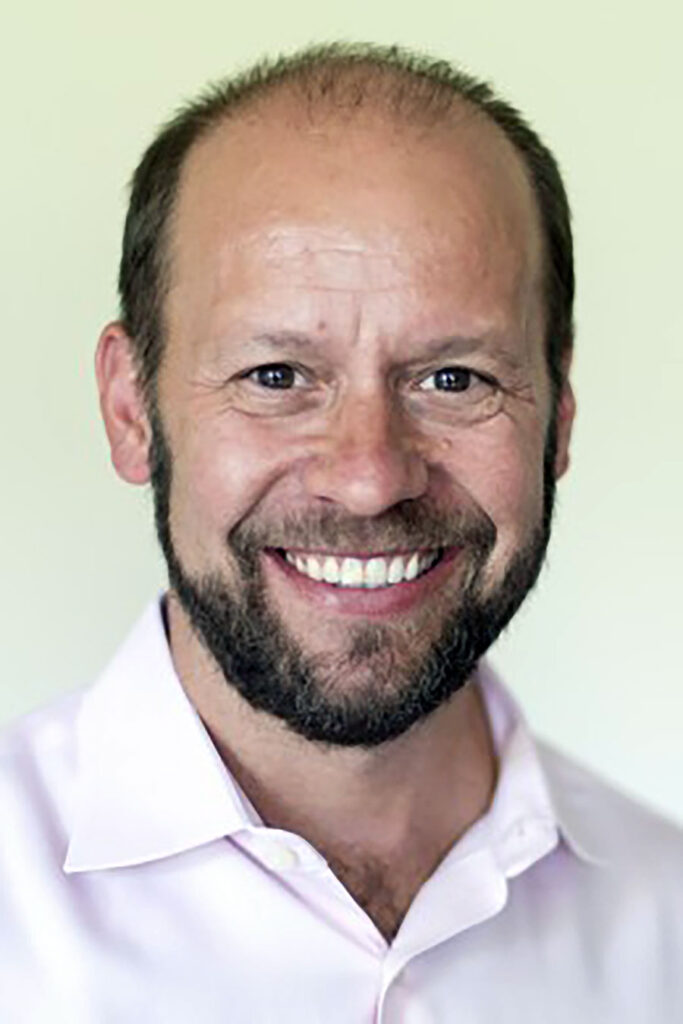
413, 87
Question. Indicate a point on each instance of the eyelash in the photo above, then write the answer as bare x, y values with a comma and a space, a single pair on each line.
481, 377
270, 366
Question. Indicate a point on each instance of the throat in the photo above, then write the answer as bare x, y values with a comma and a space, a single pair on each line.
379, 890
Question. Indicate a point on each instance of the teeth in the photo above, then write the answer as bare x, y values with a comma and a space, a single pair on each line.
376, 572
312, 567
368, 573
330, 570
412, 568
395, 574
351, 574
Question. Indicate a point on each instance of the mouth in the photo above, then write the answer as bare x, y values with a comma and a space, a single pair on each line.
368, 585
369, 572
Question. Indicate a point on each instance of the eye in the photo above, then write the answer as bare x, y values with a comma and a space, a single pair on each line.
272, 376
453, 378
458, 394
460, 380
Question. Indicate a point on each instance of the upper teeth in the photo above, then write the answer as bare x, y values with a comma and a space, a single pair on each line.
363, 572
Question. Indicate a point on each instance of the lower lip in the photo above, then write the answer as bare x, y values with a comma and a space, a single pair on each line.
400, 597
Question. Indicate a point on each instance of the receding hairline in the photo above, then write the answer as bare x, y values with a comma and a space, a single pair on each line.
411, 87
281, 104
374, 94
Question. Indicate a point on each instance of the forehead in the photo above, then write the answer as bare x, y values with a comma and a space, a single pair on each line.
364, 208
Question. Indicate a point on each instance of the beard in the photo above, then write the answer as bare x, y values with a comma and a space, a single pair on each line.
379, 687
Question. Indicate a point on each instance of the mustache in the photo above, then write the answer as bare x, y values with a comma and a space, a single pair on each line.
406, 525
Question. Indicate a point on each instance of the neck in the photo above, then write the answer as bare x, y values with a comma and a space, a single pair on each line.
403, 803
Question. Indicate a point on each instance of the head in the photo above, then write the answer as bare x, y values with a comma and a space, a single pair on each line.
346, 328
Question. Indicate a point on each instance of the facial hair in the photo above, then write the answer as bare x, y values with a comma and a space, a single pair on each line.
392, 689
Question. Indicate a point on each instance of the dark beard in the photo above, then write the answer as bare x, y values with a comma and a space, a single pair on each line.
265, 664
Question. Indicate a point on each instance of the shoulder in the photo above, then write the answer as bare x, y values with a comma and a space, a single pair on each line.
41, 732
612, 826
38, 760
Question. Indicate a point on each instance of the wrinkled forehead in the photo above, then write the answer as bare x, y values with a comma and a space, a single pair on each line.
364, 205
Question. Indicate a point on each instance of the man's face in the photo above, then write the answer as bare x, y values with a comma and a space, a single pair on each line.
354, 366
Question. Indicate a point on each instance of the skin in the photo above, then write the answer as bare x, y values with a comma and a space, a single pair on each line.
369, 243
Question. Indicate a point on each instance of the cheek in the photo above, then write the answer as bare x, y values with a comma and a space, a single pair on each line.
502, 471
220, 474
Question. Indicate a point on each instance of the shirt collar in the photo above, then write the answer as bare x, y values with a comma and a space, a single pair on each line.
533, 788
151, 783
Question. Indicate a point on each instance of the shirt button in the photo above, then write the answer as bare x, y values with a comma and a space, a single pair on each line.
280, 857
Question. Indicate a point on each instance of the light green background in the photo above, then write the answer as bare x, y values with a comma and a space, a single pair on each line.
594, 656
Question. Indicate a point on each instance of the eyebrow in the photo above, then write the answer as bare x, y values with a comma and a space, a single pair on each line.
455, 346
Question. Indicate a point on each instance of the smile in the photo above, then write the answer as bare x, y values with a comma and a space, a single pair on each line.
372, 573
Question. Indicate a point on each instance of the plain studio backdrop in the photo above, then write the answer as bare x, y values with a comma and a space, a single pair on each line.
594, 654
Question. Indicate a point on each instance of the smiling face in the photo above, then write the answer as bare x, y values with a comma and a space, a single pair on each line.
354, 367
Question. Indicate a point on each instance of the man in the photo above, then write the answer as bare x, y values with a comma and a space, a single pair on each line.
297, 793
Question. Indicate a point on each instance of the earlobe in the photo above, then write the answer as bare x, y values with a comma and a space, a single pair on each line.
122, 405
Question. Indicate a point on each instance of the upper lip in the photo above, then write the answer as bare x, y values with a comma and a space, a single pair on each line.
360, 554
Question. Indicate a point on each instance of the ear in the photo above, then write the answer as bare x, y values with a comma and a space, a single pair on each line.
122, 405
566, 411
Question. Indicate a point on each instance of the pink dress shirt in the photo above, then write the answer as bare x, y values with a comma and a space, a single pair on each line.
138, 885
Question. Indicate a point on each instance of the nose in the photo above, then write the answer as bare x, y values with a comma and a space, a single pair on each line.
371, 458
